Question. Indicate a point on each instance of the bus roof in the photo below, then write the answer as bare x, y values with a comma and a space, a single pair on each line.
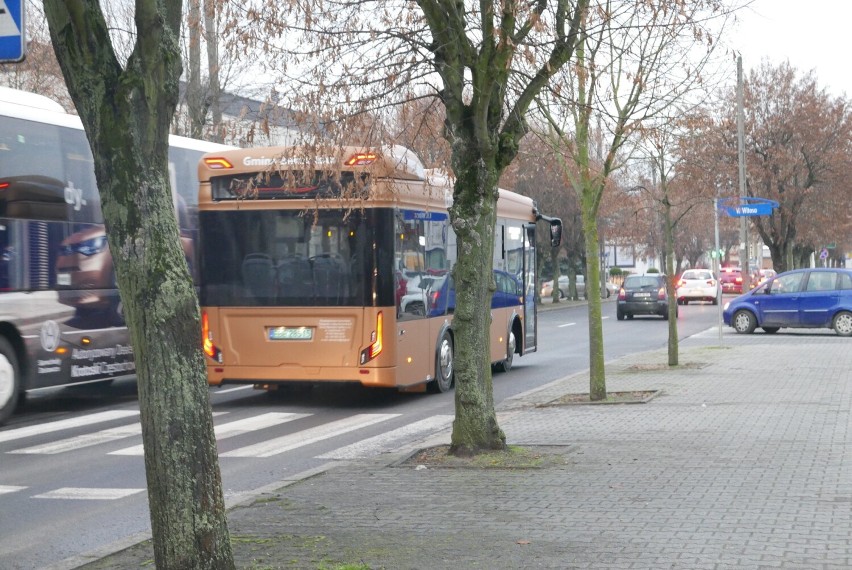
38, 108
395, 162
390, 163
27, 99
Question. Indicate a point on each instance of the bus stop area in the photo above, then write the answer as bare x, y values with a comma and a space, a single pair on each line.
742, 460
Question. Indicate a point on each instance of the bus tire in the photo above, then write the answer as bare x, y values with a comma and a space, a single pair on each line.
444, 365
506, 364
10, 380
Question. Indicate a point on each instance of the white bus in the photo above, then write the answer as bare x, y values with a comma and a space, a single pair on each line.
60, 313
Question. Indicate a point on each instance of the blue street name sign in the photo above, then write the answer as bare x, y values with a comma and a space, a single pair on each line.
12, 44
740, 207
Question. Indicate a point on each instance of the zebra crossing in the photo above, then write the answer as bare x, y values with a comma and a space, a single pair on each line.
16, 440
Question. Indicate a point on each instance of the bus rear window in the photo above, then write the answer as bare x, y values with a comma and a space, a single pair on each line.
288, 185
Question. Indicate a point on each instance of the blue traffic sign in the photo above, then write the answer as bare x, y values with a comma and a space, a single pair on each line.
747, 206
12, 44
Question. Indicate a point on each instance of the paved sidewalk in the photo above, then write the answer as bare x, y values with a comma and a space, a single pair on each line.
743, 461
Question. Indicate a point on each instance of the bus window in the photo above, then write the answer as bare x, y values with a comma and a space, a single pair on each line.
287, 258
410, 265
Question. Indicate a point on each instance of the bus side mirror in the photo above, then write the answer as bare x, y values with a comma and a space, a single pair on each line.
555, 229
555, 233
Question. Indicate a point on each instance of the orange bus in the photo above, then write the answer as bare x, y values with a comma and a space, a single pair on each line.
338, 268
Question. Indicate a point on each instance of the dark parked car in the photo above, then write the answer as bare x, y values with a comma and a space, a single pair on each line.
802, 298
643, 295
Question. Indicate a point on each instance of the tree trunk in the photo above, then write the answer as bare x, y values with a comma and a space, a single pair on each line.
670, 278
597, 372
214, 90
474, 215
554, 258
195, 106
126, 113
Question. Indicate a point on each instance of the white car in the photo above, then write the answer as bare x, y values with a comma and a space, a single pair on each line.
697, 285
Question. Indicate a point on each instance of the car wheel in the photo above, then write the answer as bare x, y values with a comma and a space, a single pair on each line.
842, 323
629, 316
506, 364
770, 330
744, 322
715, 301
444, 366
561, 294
619, 314
10, 380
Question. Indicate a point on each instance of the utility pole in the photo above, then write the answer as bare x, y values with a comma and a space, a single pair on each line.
717, 264
742, 177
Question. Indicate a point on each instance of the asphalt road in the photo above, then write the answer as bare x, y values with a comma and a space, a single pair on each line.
72, 470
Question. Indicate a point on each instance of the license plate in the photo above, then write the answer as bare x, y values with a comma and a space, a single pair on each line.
63, 279
642, 295
290, 333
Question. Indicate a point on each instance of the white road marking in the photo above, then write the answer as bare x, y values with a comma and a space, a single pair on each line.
380, 442
81, 441
306, 437
49, 427
566, 325
231, 429
10, 489
88, 494
86, 440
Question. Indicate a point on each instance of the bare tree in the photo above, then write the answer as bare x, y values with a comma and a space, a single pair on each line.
674, 206
634, 62
126, 109
797, 153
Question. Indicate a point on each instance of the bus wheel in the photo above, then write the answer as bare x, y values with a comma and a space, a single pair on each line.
506, 364
444, 369
9, 380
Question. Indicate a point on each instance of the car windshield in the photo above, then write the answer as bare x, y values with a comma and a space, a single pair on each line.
641, 282
695, 275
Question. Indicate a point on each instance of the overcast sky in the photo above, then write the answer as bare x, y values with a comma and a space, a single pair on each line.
811, 34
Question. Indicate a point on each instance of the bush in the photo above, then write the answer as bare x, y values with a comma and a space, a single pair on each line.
653, 270
615, 272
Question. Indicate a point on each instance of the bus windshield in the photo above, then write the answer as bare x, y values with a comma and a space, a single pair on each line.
287, 258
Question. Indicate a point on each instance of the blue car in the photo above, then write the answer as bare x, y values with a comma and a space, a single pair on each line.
802, 298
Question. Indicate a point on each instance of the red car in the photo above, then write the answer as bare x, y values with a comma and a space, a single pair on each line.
732, 280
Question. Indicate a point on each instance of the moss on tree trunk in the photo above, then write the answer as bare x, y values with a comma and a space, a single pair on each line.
126, 111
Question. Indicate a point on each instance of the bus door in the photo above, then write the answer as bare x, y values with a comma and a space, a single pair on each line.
529, 283
414, 286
